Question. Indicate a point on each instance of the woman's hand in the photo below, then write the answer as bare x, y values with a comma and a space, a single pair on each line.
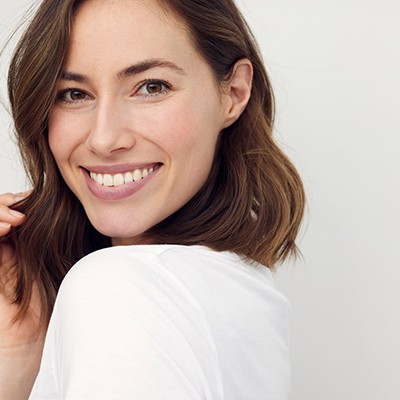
8, 219
21, 342
8, 216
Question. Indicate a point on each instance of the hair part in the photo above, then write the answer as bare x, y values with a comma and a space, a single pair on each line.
252, 203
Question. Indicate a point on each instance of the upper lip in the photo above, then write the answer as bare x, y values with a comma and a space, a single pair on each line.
118, 168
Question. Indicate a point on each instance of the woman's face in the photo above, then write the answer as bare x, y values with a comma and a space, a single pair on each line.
137, 117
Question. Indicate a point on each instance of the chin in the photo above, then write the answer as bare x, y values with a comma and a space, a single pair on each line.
122, 236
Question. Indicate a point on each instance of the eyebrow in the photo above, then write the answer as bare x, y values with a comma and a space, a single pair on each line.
130, 71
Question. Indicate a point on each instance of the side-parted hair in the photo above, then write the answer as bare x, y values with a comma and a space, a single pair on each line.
252, 202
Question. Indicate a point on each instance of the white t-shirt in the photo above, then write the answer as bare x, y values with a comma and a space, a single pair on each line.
166, 322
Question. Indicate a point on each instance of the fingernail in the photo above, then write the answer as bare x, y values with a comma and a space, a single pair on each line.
5, 225
22, 195
16, 214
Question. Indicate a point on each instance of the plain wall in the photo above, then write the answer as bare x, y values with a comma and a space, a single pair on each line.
335, 67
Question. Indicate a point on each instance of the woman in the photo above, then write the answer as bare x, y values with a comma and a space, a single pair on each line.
146, 126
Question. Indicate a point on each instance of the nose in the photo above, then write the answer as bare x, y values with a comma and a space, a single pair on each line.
110, 131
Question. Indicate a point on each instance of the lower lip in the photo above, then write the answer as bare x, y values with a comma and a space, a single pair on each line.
115, 193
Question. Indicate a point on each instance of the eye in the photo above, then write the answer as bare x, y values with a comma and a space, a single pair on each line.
72, 96
152, 88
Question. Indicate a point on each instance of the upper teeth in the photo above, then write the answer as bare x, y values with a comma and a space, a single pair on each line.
120, 179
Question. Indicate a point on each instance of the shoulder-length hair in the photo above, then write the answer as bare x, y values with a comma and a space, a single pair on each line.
252, 202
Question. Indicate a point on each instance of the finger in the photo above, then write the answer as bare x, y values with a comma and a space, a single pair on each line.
10, 216
22, 195
4, 228
7, 199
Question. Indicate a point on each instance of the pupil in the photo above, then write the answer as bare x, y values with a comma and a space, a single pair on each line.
153, 87
76, 95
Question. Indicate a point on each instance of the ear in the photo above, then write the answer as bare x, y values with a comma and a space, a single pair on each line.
237, 91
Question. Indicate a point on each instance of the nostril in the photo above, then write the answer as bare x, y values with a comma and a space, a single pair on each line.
106, 145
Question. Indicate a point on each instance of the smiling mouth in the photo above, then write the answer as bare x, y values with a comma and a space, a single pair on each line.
119, 179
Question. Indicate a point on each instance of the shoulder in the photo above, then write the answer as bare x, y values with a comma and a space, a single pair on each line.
115, 257
125, 265
122, 305
189, 274
110, 272
135, 273
145, 261
134, 257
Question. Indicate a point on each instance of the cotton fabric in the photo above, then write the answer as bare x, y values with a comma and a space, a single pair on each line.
166, 322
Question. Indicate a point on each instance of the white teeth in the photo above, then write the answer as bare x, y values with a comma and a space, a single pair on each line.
137, 175
120, 179
107, 180
128, 177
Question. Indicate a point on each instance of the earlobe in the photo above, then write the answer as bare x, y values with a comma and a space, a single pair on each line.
238, 90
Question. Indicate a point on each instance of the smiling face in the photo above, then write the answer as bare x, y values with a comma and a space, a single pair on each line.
137, 117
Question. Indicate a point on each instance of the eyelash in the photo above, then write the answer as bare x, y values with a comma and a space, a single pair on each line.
166, 87
61, 96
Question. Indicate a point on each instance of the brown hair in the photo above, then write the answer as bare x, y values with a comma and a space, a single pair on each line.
252, 202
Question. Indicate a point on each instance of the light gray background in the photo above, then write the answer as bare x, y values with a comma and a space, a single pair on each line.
335, 66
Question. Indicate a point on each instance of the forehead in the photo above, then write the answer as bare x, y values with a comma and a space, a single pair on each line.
119, 28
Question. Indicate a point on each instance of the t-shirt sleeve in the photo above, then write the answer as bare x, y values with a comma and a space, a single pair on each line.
122, 328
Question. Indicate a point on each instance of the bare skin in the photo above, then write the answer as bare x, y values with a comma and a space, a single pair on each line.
21, 343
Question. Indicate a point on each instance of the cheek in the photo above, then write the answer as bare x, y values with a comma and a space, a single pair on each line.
56, 135
183, 127
188, 137
63, 135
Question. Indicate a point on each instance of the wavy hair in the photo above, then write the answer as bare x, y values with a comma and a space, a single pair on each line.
252, 202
